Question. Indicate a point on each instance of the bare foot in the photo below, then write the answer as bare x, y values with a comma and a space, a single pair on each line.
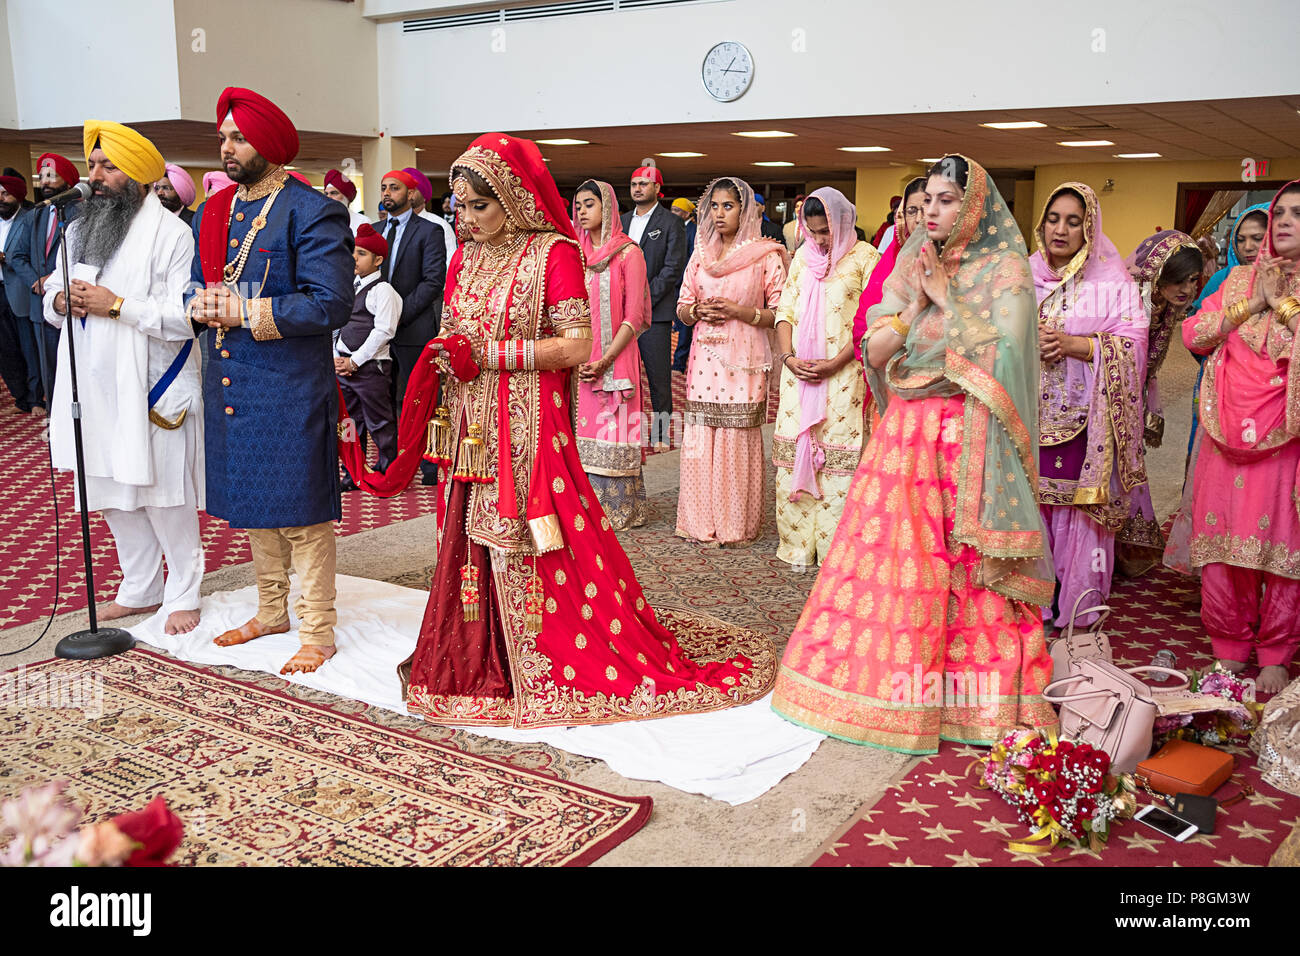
1271, 679
308, 658
181, 622
247, 632
112, 611
38, 412
1233, 667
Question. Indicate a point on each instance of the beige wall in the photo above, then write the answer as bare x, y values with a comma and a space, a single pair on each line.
875, 187
317, 61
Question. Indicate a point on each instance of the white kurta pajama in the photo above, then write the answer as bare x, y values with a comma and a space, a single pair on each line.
147, 480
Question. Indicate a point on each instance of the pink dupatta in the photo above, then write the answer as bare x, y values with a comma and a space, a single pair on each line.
810, 332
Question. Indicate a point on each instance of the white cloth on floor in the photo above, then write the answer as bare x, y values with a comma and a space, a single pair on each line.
732, 755
143, 537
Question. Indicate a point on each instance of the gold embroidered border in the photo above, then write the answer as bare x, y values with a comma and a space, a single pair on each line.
724, 415
519, 202
571, 313
611, 459
1273, 557
260, 320
839, 461
459, 709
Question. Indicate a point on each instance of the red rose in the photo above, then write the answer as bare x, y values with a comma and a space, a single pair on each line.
156, 829
1065, 747
1087, 807
1100, 759
1065, 786
1050, 763
1055, 808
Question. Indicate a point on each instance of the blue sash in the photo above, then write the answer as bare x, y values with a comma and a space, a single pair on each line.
169, 376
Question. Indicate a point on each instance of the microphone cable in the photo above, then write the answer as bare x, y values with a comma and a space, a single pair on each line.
54, 496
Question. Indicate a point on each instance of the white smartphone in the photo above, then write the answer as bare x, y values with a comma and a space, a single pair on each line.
1158, 818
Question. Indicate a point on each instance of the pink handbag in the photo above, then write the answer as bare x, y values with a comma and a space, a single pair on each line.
1110, 709
1092, 643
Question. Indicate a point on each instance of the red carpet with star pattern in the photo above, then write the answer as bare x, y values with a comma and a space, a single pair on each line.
934, 816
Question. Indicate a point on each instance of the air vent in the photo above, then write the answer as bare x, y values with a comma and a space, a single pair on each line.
539, 11
547, 10
447, 23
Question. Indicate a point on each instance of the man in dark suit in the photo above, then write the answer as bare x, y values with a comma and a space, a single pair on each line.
56, 174
662, 238
16, 280
417, 268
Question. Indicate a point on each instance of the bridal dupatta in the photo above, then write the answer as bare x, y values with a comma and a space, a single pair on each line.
1092, 296
987, 348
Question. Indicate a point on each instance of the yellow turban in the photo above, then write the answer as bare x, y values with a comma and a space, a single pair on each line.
685, 205
126, 149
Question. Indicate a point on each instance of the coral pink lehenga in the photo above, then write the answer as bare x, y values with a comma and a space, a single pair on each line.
924, 623
535, 616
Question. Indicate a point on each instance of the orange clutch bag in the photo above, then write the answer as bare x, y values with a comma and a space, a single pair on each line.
1181, 766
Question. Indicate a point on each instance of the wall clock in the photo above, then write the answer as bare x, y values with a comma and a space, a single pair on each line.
728, 71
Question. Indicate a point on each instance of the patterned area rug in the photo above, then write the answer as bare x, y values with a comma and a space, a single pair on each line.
933, 816
263, 778
28, 529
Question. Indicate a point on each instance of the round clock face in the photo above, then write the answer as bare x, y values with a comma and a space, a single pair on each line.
728, 71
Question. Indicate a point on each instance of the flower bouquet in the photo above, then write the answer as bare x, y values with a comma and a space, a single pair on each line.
1058, 788
41, 827
1216, 708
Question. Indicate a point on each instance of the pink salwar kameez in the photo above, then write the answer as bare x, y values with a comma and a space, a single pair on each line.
720, 500
1246, 494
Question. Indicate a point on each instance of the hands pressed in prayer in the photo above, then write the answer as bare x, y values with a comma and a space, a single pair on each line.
930, 277
1272, 281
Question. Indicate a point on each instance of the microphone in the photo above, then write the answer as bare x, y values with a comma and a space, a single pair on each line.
78, 192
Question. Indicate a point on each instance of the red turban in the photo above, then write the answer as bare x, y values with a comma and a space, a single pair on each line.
649, 172
15, 186
301, 178
403, 177
345, 186
63, 167
370, 240
263, 123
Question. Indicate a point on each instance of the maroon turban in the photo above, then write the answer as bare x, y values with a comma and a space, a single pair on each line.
263, 123
15, 186
62, 166
421, 182
368, 239
346, 187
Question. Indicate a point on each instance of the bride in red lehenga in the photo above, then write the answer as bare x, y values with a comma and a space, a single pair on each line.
535, 617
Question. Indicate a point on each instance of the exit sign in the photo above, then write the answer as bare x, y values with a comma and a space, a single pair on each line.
1261, 168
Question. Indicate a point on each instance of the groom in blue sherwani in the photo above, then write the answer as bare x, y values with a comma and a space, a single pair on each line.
275, 269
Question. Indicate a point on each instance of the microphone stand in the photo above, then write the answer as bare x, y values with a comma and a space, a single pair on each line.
94, 643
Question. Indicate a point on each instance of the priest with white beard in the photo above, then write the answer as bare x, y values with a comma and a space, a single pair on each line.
138, 376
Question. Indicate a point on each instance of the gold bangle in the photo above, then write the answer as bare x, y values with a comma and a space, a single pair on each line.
758, 315
1287, 309
1092, 348
899, 326
691, 312
1238, 312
